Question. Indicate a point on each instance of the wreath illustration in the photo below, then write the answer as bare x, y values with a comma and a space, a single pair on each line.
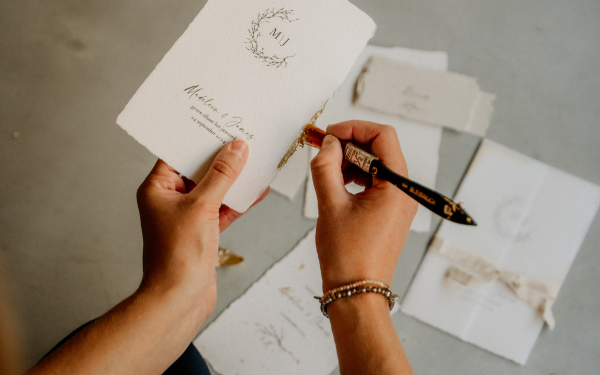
254, 33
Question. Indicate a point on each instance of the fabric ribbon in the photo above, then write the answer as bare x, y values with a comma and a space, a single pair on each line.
471, 269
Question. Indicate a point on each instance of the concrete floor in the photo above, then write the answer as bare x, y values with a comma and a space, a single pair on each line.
69, 228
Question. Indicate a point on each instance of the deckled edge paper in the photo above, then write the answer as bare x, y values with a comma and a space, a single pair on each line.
276, 326
528, 235
216, 84
293, 174
428, 96
311, 204
420, 143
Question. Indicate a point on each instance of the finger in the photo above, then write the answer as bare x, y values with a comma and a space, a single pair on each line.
227, 215
326, 169
381, 139
358, 176
164, 177
223, 172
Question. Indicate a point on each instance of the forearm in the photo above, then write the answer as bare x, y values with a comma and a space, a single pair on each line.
144, 334
365, 336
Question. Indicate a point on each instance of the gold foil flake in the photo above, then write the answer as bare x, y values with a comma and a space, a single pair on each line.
227, 258
310, 135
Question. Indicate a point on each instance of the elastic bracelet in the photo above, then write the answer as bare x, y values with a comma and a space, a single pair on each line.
359, 287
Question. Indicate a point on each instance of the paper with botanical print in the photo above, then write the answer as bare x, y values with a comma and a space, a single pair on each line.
493, 285
420, 143
256, 70
276, 326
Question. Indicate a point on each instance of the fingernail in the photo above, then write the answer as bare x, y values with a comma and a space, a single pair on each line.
328, 140
239, 147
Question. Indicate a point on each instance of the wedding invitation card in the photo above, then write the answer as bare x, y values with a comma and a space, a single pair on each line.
256, 70
276, 326
493, 285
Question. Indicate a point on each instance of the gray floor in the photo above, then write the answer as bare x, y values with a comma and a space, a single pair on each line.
69, 230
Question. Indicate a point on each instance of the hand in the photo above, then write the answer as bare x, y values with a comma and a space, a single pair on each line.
181, 223
360, 236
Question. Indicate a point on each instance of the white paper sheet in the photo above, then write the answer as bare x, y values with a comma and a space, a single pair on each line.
277, 326
256, 70
425, 95
532, 219
293, 174
420, 143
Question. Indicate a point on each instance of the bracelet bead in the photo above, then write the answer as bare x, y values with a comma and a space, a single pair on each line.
363, 286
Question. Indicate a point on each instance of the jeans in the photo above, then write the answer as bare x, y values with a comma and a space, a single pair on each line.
190, 362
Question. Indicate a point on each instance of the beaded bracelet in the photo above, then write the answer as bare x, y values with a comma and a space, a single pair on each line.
364, 286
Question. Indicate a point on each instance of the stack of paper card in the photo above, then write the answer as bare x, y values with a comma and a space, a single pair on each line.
254, 70
420, 143
493, 285
425, 95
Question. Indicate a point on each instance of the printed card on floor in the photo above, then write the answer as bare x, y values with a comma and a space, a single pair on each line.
493, 285
425, 95
276, 326
256, 70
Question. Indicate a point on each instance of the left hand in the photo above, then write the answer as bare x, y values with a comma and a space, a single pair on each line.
148, 331
181, 223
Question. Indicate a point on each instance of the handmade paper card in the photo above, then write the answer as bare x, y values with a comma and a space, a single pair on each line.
420, 143
428, 96
256, 70
493, 285
277, 326
293, 174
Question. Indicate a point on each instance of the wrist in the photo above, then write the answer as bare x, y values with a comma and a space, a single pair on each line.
364, 305
340, 279
190, 298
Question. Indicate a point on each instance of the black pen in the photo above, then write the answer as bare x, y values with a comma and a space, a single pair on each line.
432, 200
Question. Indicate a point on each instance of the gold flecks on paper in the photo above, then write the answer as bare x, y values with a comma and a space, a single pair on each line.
299, 142
310, 135
227, 258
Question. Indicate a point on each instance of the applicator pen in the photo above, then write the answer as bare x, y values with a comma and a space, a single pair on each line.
432, 200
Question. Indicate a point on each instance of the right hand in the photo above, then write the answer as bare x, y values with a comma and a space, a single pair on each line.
360, 236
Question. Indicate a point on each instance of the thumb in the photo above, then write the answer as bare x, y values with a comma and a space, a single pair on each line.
326, 169
223, 172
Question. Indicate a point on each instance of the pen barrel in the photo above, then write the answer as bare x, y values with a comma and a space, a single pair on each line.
428, 198
432, 200
359, 157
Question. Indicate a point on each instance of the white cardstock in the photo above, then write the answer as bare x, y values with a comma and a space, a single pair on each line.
532, 219
292, 174
420, 143
425, 95
277, 326
256, 70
